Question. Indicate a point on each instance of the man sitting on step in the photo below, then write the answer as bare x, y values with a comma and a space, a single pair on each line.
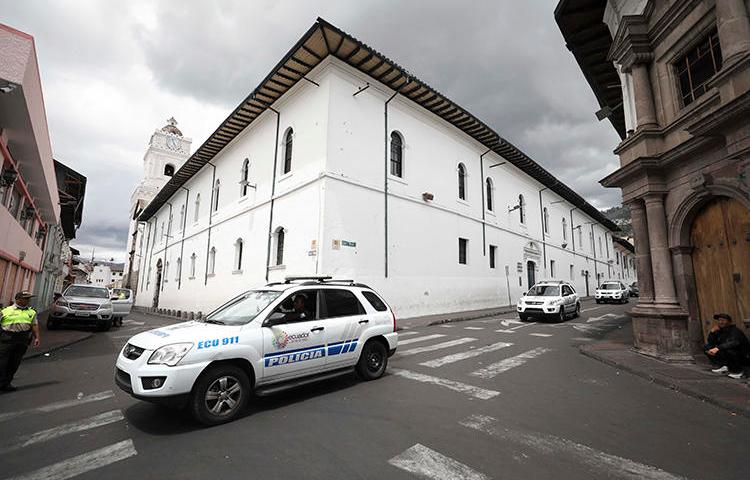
727, 347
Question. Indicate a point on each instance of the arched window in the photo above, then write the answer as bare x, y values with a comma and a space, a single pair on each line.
166, 272
489, 188
197, 213
169, 227
397, 155
169, 170
280, 234
288, 145
193, 258
212, 261
599, 239
243, 176
591, 242
580, 237
461, 181
521, 209
238, 246
162, 231
179, 269
217, 188
182, 216
565, 229
545, 220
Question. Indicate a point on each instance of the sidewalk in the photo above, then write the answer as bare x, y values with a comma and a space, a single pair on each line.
693, 379
56, 339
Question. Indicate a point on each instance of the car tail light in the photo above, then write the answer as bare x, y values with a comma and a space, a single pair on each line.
394, 319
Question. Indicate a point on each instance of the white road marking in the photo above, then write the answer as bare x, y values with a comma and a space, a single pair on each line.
73, 427
495, 369
546, 444
81, 464
507, 323
524, 325
541, 334
132, 322
427, 463
505, 331
445, 325
437, 346
95, 397
590, 309
473, 328
582, 339
607, 316
457, 357
581, 327
476, 392
420, 339
410, 332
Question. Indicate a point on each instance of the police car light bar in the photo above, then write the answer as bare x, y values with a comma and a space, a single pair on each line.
319, 278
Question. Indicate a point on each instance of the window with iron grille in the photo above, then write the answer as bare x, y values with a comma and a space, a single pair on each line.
397, 155
462, 247
697, 66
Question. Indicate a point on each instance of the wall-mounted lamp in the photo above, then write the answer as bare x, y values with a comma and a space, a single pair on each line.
565, 245
9, 177
245, 183
514, 208
498, 164
27, 212
428, 197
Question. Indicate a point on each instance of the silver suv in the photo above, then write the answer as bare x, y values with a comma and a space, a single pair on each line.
555, 299
86, 304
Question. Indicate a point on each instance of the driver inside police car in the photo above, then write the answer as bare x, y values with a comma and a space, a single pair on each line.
300, 312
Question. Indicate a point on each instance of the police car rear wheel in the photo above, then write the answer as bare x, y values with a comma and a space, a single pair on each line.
220, 395
373, 361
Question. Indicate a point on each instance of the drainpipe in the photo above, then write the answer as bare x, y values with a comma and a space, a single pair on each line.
573, 231
593, 247
481, 175
144, 275
210, 220
273, 190
166, 243
544, 242
385, 180
182, 242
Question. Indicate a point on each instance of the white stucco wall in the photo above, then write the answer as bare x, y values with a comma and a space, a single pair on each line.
335, 194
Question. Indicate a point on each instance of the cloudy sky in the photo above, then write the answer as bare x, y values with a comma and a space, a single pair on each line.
112, 71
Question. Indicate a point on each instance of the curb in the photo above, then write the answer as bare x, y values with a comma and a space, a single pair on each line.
470, 317
667, 382
57, 347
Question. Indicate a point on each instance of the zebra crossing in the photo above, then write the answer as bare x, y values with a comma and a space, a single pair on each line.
68, 432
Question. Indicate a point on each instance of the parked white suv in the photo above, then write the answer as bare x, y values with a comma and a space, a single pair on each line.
554, 299
612, 291
82, 304
266, 340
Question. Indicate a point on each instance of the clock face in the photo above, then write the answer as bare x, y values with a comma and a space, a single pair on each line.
173, 143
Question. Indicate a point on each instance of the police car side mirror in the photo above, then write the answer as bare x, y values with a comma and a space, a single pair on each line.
275, 318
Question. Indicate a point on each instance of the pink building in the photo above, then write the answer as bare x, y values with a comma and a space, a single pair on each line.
29, 202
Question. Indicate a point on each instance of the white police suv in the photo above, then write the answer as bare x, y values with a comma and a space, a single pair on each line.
612, 291
266, 340
555, 299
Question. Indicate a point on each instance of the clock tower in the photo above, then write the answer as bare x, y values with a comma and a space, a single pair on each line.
167, 151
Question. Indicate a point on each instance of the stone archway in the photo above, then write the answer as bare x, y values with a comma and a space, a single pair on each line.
683, 248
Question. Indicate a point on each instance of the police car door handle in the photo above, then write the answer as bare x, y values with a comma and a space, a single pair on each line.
317, 329
364, 321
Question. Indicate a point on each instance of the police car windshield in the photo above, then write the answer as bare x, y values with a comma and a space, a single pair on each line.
544, 291
84, 291
244, 308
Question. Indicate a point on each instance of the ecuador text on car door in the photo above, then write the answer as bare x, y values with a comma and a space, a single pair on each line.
294, 337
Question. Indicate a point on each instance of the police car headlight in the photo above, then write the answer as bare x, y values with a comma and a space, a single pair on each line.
170, 355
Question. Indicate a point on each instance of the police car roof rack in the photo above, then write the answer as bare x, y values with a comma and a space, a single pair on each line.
317, 278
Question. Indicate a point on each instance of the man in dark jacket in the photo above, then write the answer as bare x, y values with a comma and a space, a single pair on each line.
727, 347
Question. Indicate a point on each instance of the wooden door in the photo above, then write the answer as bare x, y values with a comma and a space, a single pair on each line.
720, 237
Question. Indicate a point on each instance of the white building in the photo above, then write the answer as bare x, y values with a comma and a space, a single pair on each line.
343, 163
106, 274
167, 151
624, 267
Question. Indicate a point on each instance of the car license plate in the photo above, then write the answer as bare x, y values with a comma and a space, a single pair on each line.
83, 314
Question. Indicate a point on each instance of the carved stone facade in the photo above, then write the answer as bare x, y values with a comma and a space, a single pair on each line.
677, 156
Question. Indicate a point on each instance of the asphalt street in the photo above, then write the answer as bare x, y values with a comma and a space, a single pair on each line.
489, 398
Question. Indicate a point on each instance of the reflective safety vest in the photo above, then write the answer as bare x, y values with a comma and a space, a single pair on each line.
14, 315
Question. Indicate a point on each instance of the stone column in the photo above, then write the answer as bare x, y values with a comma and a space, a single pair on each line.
642, 252
644, 97
734, 28
661, 258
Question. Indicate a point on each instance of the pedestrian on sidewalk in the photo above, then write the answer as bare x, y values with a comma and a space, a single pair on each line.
19, 327
727, 347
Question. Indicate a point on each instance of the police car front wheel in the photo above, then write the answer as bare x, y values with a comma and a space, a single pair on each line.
220, 395
373, 360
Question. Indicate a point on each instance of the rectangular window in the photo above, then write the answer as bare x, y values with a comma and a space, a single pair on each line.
342, 303
376, 302
462, 250
571, 272
552, 268
493, 249
697, 66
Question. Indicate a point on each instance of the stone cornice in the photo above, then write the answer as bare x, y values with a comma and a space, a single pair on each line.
729, 112
637, 167
671, 19
631, 44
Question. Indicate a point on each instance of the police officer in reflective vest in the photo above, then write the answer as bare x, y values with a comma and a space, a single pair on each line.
18, 328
